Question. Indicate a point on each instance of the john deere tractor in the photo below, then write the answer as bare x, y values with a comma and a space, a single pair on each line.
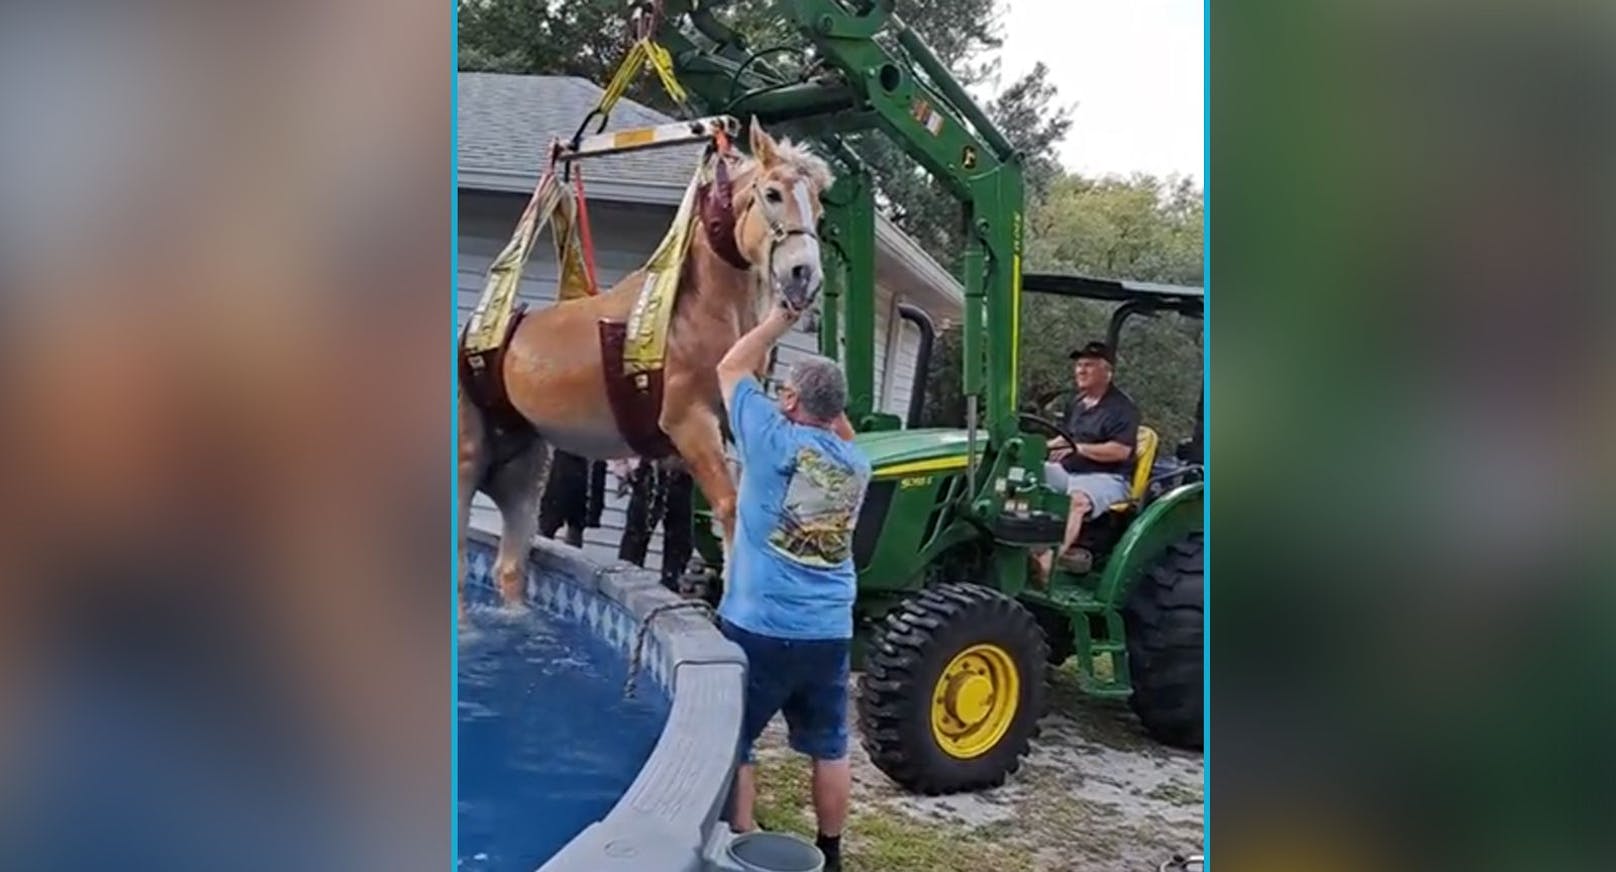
957, 642
954, 644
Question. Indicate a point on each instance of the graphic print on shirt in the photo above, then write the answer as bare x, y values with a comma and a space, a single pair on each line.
816, 517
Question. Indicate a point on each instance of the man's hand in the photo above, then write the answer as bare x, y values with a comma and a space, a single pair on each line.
785, 312
751, 354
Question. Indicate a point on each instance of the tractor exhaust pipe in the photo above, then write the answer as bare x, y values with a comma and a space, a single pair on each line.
928, 336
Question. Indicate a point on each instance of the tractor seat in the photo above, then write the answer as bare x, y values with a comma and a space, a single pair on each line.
1144, 459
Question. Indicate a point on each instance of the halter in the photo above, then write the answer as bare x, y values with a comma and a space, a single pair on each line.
721, 220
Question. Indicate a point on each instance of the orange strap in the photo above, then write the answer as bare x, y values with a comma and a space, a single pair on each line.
583, 230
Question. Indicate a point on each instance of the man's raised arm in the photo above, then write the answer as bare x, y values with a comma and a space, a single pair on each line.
752, 351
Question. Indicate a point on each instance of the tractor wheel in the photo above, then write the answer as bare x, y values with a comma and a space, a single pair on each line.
1163, 618
952, 690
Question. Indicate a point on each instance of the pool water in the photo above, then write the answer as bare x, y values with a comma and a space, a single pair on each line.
547, 743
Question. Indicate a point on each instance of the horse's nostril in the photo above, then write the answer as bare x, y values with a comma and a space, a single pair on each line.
800, 273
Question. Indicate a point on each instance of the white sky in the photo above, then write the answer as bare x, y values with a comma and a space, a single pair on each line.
1135, 70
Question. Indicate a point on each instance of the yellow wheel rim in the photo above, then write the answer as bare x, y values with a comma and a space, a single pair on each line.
975, 701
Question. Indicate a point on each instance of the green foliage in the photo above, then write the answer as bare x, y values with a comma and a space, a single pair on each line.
1141, 228
585, 38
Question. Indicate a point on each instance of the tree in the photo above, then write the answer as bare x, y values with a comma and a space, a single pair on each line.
586, 38
1140, 228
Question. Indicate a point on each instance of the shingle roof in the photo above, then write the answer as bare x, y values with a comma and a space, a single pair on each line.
507, 122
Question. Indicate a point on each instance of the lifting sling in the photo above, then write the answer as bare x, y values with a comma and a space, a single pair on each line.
633, 352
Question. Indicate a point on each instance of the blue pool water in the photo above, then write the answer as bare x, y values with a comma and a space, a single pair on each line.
547, 741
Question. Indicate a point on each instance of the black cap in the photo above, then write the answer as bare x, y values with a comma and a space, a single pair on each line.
1094, 349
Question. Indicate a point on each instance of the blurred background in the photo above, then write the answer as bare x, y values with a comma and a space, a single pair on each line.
225, 438
226, 375
1412, 435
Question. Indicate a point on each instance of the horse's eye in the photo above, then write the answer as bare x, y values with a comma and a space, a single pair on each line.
772, 195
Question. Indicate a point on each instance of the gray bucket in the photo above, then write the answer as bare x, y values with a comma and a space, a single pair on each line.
760, 851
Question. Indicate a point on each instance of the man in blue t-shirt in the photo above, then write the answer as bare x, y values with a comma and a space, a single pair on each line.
788, 602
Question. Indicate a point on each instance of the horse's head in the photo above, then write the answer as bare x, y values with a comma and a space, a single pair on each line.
778, 209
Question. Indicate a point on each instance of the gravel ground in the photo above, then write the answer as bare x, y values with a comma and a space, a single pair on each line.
1094, 794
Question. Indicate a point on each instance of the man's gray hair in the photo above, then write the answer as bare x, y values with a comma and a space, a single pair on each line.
821, 387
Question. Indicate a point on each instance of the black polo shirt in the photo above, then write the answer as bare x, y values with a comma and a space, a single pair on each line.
1113, 419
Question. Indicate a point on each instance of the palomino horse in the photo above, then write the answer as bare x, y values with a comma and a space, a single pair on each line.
556, 374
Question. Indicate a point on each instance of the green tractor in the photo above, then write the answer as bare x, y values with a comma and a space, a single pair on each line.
955, 649
955, 645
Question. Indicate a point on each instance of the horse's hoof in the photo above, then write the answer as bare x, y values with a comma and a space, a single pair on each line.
514, 607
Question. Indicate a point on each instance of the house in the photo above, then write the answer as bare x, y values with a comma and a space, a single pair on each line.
506, 123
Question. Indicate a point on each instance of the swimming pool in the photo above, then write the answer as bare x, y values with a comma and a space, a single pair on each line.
548, 742
557, 770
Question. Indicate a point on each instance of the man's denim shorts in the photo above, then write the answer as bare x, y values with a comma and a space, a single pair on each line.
807, 680
1103, 488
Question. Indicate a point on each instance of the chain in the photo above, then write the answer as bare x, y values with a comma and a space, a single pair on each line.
644, 630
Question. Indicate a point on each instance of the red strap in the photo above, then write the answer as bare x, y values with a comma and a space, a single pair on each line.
583, 230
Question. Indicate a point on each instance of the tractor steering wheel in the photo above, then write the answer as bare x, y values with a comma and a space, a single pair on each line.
1029, 421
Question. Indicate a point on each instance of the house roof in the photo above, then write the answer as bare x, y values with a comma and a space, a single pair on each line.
507, 122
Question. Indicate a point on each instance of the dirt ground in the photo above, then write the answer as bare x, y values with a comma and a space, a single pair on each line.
1095, 794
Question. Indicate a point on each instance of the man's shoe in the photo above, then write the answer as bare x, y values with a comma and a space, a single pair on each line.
831, 847
1077, 561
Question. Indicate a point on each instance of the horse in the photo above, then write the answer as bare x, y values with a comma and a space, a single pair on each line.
556, 374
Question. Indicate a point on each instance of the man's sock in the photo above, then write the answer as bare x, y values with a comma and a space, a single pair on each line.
831, 847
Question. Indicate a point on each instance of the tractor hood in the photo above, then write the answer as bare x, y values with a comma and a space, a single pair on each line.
909, 452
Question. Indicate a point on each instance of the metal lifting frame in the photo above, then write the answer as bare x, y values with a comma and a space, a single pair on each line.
856, 83
697, 130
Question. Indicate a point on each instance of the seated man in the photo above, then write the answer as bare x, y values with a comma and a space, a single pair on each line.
1104, 423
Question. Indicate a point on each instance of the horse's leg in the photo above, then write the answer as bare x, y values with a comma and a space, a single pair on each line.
517, 487
701, 444
473, 463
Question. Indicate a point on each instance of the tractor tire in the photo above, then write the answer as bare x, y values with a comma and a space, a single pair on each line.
952, 690
1163, 619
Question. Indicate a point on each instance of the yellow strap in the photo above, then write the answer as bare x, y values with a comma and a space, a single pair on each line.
626, 72
642, 52
551, 202
663, 63
573, 278
645, 344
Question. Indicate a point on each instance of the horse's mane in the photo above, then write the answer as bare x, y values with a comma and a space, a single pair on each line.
807, 164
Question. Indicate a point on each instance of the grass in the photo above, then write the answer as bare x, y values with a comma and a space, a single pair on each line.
879, 840
1175, 794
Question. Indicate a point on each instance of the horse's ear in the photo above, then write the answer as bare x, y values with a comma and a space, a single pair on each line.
762, 144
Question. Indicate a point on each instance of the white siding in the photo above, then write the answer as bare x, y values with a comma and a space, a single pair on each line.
904, 358
624, 236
